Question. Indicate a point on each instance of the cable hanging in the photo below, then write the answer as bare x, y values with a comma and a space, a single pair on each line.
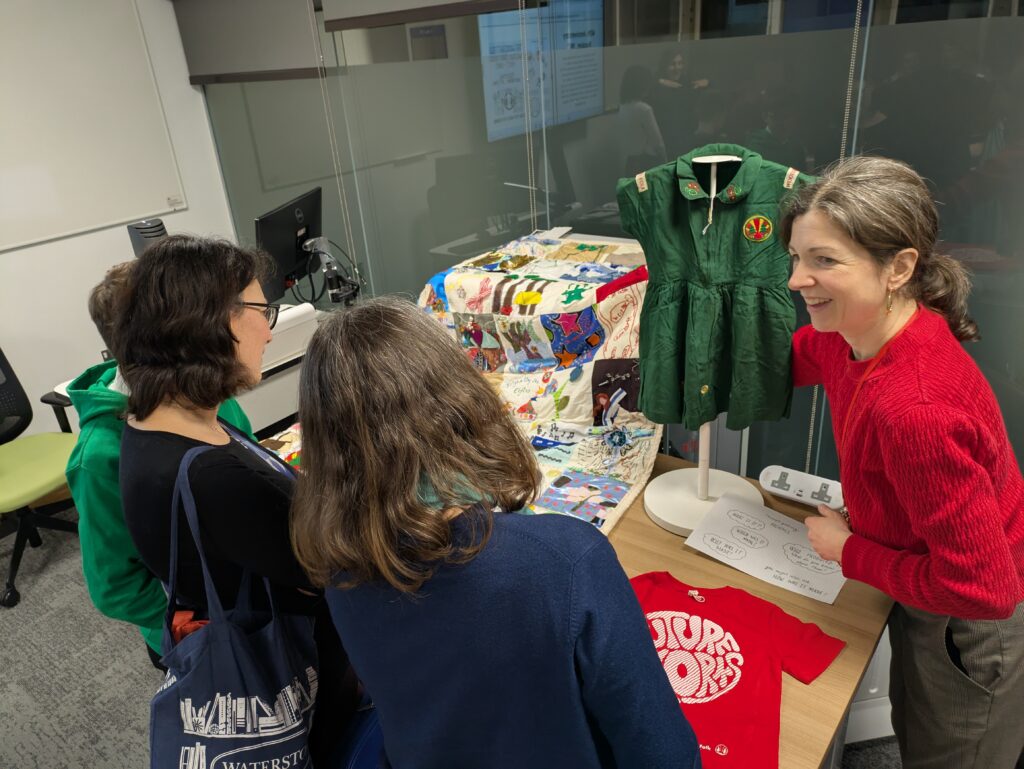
333, 139
528, 113
851, 75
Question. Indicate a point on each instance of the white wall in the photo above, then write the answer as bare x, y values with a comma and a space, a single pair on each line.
45, 329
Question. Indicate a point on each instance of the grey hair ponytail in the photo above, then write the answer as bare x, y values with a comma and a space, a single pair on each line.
942, 283
885, 206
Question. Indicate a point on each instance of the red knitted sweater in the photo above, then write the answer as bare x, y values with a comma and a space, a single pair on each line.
933, 489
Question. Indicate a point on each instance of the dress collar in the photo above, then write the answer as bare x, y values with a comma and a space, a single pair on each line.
735, 190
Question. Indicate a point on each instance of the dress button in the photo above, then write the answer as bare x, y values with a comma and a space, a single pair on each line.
704, 389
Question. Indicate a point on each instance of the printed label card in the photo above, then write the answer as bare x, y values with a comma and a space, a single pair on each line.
768, 545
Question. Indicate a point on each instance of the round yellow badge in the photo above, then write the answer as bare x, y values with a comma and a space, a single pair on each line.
757, 228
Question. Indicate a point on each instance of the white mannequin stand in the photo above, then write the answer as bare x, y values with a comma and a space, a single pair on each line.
678, 500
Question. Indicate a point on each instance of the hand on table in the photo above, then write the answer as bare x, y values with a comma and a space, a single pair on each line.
828, 532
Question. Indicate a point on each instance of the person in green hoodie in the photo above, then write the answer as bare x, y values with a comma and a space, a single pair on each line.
119, 584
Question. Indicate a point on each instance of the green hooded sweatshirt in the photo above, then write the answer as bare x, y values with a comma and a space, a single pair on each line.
119, 583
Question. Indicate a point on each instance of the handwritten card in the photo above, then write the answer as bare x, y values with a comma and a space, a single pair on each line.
767, 545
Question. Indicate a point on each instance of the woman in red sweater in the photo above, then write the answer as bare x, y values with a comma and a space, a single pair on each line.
933, 491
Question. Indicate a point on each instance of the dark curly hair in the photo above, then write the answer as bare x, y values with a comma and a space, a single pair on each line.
173, 329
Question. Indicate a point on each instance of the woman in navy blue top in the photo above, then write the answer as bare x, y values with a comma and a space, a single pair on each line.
486, 639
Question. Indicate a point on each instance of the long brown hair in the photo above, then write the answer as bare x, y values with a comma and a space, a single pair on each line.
389, 406
885, 206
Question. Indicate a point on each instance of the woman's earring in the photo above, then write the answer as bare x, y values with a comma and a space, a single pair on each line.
888, 302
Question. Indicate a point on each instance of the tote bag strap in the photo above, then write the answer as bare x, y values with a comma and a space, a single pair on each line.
280, 466
272, 459
244, 600
183, 496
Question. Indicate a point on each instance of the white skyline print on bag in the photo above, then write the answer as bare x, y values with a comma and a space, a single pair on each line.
229, 716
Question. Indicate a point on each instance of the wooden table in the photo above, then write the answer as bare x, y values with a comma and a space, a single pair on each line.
811, 715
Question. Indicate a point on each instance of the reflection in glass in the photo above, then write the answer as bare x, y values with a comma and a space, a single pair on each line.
945, 97
444, 143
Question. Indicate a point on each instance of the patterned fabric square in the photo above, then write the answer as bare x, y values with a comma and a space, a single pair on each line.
590, 497
575, 336
558, 340
479, 337
526, 344
615, 385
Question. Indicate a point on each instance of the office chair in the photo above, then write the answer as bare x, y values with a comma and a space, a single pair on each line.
30, 468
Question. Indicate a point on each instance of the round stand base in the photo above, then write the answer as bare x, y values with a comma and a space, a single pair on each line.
670, 500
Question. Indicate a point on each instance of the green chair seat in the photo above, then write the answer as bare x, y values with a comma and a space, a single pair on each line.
32, 467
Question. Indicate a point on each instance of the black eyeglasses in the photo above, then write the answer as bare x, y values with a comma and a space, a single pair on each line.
270, 311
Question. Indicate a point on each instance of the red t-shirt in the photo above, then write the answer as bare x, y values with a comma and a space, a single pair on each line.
724, 656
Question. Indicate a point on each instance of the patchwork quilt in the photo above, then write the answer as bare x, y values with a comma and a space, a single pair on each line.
554, 325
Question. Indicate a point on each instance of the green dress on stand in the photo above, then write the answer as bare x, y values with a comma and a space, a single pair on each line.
718, 319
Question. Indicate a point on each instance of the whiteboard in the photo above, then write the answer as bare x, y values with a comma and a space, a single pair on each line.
83, 138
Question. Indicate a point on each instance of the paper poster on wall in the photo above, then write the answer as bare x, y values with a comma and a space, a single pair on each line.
768, 545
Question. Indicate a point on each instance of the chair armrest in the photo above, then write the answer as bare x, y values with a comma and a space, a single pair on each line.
59, 403
54, 398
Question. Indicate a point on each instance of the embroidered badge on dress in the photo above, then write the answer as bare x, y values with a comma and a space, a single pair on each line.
758, 228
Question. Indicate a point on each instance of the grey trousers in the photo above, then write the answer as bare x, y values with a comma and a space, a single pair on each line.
957, 690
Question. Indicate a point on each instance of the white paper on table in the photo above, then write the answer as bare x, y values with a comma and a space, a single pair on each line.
768, 545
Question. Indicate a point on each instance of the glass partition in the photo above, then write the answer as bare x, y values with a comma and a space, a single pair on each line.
945, 96
275, 143
438, 144
706, 72
435, 141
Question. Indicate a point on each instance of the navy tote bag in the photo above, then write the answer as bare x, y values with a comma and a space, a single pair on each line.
240, 691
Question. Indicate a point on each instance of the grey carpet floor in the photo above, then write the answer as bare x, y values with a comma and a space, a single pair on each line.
872, 754
75, 686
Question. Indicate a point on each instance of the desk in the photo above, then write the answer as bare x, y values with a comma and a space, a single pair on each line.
811, 715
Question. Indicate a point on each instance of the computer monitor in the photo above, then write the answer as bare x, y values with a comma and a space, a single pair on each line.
281, 233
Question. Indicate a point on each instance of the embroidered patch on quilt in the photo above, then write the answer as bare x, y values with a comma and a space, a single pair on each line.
479, 338
575, 336
585, 496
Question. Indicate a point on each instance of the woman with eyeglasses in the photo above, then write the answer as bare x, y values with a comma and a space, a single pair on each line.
191, 333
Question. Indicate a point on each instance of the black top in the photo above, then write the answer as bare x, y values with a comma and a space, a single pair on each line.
242, 502
242, 499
